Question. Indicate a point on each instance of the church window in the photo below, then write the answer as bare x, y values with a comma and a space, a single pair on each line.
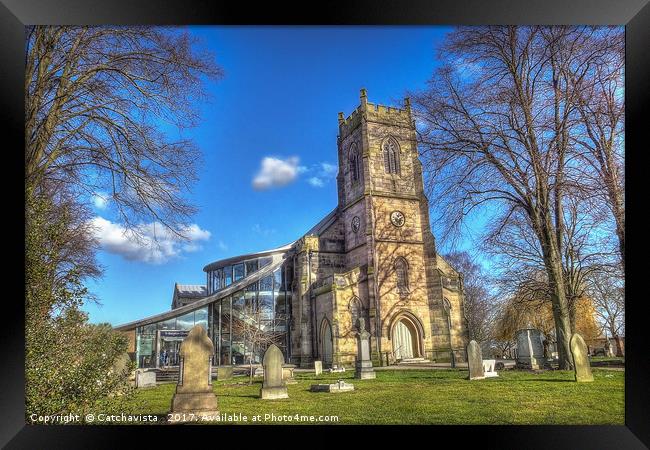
355, 168
391, 156
401, 270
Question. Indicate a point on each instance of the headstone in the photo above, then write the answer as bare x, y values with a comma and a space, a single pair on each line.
287, 374
489, 369
363, 366
581, 364
145, 379
224, 372
273, 386
339, 386
530, 349
194, 393
318, 367
336, 368
475, 361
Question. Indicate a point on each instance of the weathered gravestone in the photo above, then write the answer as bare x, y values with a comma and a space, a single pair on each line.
194, 389
287, 374
488, 368
339, 386
318, 367
530, 349
273, 386
581, 364
145, 379
363, 366
475, 361
224, 372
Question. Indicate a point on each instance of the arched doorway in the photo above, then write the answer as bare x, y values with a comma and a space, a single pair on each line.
406, 340
326, 343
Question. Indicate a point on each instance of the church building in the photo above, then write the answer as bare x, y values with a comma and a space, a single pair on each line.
372, 257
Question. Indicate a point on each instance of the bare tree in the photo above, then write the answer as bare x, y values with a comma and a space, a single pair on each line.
601, 108
257, 332
97, 101
608, 294
477, 300
495, 127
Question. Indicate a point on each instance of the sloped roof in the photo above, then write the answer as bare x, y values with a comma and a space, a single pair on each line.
191, 290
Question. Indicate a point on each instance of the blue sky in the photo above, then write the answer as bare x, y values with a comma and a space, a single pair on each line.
279, 98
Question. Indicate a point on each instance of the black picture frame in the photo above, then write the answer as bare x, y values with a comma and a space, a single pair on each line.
14, 14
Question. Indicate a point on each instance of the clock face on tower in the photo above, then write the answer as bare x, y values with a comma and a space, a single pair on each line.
355, 223
397, 218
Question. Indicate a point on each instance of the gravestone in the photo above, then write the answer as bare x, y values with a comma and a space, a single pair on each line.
145, 379
336, 368
273, 386
318, 367
287, 374
530, 349
489, 370
363, 366
581, 364
194, 393
339, 386
475, 361
224, 372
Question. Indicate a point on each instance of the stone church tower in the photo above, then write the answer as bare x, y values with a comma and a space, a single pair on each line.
374, 256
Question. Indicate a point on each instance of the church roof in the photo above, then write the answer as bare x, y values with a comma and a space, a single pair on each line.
191, 290
324, 224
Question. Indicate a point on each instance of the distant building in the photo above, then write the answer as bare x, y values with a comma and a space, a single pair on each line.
373, 256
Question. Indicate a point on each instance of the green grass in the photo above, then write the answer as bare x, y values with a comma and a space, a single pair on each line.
607, 359
425, 397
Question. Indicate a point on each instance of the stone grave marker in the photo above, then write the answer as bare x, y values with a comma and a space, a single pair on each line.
530, 349
224, 372
144, 378
194, 393
581, 364
488, 368
363, 367
339, 386
318, 367
273, 386
475, 361
287, 374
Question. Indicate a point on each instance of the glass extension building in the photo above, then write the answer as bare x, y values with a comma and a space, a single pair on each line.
244, 306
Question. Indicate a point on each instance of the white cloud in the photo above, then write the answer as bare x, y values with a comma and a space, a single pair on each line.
100, 200
222, 245
276, 172
257, 228
323, 172
328, 170
156, 246
316, 182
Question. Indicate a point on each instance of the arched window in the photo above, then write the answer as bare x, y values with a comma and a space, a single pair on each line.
391, 156
355, 312
355, 166
401, 270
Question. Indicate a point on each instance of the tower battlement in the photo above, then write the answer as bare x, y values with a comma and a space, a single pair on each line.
374, 112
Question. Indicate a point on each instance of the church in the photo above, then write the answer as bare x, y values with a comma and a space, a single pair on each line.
372, 257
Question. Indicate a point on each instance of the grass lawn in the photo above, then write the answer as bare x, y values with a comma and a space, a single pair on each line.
424, 397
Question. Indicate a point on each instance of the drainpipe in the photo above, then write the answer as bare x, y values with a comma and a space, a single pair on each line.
312, 306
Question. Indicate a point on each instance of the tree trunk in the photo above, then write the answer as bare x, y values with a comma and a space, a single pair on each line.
619, 346
561, 314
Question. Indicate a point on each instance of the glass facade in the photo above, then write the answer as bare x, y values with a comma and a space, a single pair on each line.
241, 325
222, 277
